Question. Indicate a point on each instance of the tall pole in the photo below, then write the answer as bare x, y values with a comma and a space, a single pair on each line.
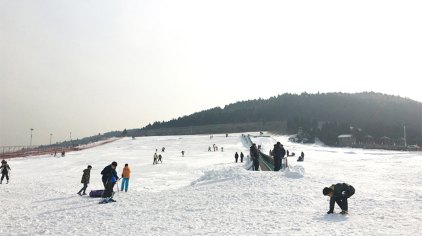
50, 138
404, 131
30, 142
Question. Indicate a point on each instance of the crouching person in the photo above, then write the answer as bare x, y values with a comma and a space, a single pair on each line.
339, 193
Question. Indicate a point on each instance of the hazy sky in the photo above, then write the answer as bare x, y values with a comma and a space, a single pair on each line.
89, 67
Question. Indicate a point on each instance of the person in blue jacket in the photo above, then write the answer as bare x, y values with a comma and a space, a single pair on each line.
339, 193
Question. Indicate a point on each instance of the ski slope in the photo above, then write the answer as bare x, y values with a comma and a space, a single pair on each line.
206, 193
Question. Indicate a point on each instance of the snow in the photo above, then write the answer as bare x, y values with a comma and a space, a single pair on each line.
206, 193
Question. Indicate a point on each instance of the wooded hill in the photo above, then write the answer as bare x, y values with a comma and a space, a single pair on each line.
323, 115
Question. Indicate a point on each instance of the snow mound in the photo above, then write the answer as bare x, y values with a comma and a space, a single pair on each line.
217, 176
295, 172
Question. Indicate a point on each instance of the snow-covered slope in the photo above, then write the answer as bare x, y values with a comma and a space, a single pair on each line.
206, 193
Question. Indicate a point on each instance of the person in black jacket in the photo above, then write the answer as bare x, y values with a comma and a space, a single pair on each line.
278, 153
241, 157
255, 156
5, 168
85, 180
236, 156
109, 178
339, 193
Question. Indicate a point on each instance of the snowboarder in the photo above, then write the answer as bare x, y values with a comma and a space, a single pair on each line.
155, 159
339, 193
278, 153
236, 156
125, 177
85, 180
241, 157
5, 169
183, 153
254, 155
109, 180
159, 159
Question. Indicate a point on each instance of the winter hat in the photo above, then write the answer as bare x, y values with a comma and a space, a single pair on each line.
114, 163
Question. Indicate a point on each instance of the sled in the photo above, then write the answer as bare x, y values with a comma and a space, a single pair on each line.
96, 193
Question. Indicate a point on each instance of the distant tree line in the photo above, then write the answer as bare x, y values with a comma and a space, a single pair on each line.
323, 115
87, 140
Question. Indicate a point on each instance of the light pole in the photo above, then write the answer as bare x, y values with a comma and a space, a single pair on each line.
404, 135
30, 142
50, 138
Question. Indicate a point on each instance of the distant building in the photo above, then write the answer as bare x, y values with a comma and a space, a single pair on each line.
386, 141
399, 142
346, 140
368, 139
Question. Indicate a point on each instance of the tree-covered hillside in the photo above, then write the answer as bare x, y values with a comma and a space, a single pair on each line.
324, 115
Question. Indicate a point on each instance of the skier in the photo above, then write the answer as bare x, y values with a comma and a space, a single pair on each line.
254, 155
241, 157
5, 169
339, 193
155, 159
109, 179
85, 180
278, 153
125, 177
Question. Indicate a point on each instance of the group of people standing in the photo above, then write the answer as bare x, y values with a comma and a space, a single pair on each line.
215, 148
236, 157
157, 158
109, 179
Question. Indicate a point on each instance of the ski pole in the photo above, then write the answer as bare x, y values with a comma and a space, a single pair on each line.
117, 184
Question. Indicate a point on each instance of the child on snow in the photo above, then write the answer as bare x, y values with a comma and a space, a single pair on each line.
125, 177
339, 193
301, 157
85, 180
